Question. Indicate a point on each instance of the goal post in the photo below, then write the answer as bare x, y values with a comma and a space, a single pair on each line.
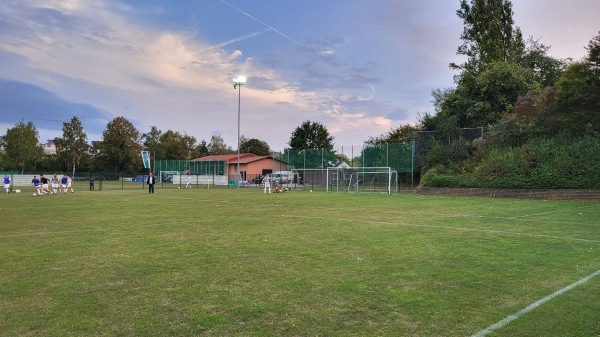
167, 176
362, 179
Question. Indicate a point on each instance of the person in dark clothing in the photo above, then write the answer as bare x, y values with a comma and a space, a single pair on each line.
150, 181
92, 178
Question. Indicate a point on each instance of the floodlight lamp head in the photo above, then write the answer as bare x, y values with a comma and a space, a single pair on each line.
240, 80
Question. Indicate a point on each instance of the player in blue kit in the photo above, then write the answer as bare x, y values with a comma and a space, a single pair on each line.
7, 183
36, 183
63, 183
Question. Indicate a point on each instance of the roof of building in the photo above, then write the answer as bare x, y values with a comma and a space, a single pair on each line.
245, 158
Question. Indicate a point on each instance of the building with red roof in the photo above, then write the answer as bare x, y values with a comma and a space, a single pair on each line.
251, 165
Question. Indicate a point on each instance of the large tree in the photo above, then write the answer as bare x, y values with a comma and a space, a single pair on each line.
499, 67
546, 69
578, 92
217, 146
488, 34
22, 146
483, 98
151, 142
177, 146
311, 135
73, 146
255, 146
401, 134
121, 146
311, 146
201, 150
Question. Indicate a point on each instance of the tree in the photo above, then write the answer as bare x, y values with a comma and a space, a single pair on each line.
73, 145
217, 146
578, 92
491, 79
190, 144
488, 35
255, 146
201, 150
578, 96
537, 113
483, 98
311, 135
121, 145
401, 134
152, 142
177, 146
22, 146
546, 69
593, 48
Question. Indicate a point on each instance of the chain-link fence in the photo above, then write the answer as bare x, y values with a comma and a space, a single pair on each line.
425, 140
309, 166
105, 181
196, 167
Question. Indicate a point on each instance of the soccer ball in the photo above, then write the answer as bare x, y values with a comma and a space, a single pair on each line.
34, 194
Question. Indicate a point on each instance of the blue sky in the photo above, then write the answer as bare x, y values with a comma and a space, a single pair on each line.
358, 67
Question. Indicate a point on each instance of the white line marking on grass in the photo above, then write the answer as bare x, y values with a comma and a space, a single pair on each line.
532, 306
549, 212
539, 221
447, 227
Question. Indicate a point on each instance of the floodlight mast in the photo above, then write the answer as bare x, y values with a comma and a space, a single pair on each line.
237, 84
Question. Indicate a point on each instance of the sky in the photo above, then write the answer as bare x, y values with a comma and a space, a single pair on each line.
360, 68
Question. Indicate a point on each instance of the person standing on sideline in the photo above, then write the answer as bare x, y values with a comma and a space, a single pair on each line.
92, 178
36, 183
267, 183
150, 181
189, 181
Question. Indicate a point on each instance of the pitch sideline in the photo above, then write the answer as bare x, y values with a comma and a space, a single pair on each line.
533, 306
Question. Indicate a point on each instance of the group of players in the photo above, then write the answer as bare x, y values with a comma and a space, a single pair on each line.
64, 183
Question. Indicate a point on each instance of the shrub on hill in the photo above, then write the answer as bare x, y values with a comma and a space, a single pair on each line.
544, 163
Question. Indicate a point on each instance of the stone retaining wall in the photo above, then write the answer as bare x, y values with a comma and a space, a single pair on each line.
512, 193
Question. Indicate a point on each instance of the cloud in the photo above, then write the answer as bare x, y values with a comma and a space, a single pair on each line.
399, 114
123, 69
42, 105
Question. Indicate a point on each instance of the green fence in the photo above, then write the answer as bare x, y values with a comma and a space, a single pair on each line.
399, 156
216, 167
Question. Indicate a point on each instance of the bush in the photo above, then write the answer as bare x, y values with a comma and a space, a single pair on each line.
559, 162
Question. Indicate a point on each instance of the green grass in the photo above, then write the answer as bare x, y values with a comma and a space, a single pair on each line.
228, 262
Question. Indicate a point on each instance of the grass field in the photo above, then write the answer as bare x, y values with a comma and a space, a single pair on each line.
228, 262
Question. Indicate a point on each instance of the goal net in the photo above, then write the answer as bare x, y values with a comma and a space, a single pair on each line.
168, 176
362, 179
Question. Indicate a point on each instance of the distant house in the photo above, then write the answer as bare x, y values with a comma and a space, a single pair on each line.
341, 163
251, 165
49, 147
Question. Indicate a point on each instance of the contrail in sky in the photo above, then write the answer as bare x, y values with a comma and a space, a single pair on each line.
238, 39
261, 22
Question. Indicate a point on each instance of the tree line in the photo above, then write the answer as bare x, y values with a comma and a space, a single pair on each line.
508, 85
121, 145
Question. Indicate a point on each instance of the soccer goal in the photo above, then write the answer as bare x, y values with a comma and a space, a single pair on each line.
168, 176
362, 179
